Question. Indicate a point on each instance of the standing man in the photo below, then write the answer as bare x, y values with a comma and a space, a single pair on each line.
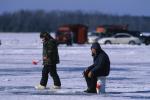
50, 59
99, 68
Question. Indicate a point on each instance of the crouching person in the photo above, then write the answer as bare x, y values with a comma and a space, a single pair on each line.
98, 70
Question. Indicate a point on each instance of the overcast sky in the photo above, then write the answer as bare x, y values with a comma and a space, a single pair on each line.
120, 7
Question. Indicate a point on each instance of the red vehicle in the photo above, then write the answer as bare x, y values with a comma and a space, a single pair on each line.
69, 34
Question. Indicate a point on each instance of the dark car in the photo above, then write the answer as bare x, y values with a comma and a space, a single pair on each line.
145, 37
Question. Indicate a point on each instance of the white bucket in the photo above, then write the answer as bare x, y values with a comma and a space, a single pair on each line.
100, 86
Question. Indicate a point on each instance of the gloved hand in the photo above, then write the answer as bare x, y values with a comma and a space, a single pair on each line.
45, 58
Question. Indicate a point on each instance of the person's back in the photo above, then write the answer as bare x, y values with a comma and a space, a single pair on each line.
102, 64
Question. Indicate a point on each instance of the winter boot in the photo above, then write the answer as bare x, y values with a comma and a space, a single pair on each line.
90, 91
56, 87
40, 87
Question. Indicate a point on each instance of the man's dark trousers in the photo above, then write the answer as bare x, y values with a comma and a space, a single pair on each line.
53, 72
91, 82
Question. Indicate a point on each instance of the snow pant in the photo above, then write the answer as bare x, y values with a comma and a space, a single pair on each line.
91, 82
53, 72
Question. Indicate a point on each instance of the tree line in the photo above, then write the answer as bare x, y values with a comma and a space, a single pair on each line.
37, 21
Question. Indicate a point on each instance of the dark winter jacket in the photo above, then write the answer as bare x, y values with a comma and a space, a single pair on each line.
101, 65
50, 51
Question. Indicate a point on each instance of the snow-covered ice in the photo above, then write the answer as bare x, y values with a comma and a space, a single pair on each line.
128, 79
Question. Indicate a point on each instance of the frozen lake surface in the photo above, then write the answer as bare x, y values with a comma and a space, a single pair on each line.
128, 79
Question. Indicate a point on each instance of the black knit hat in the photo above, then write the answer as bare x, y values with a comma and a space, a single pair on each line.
96, 46
44, 34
